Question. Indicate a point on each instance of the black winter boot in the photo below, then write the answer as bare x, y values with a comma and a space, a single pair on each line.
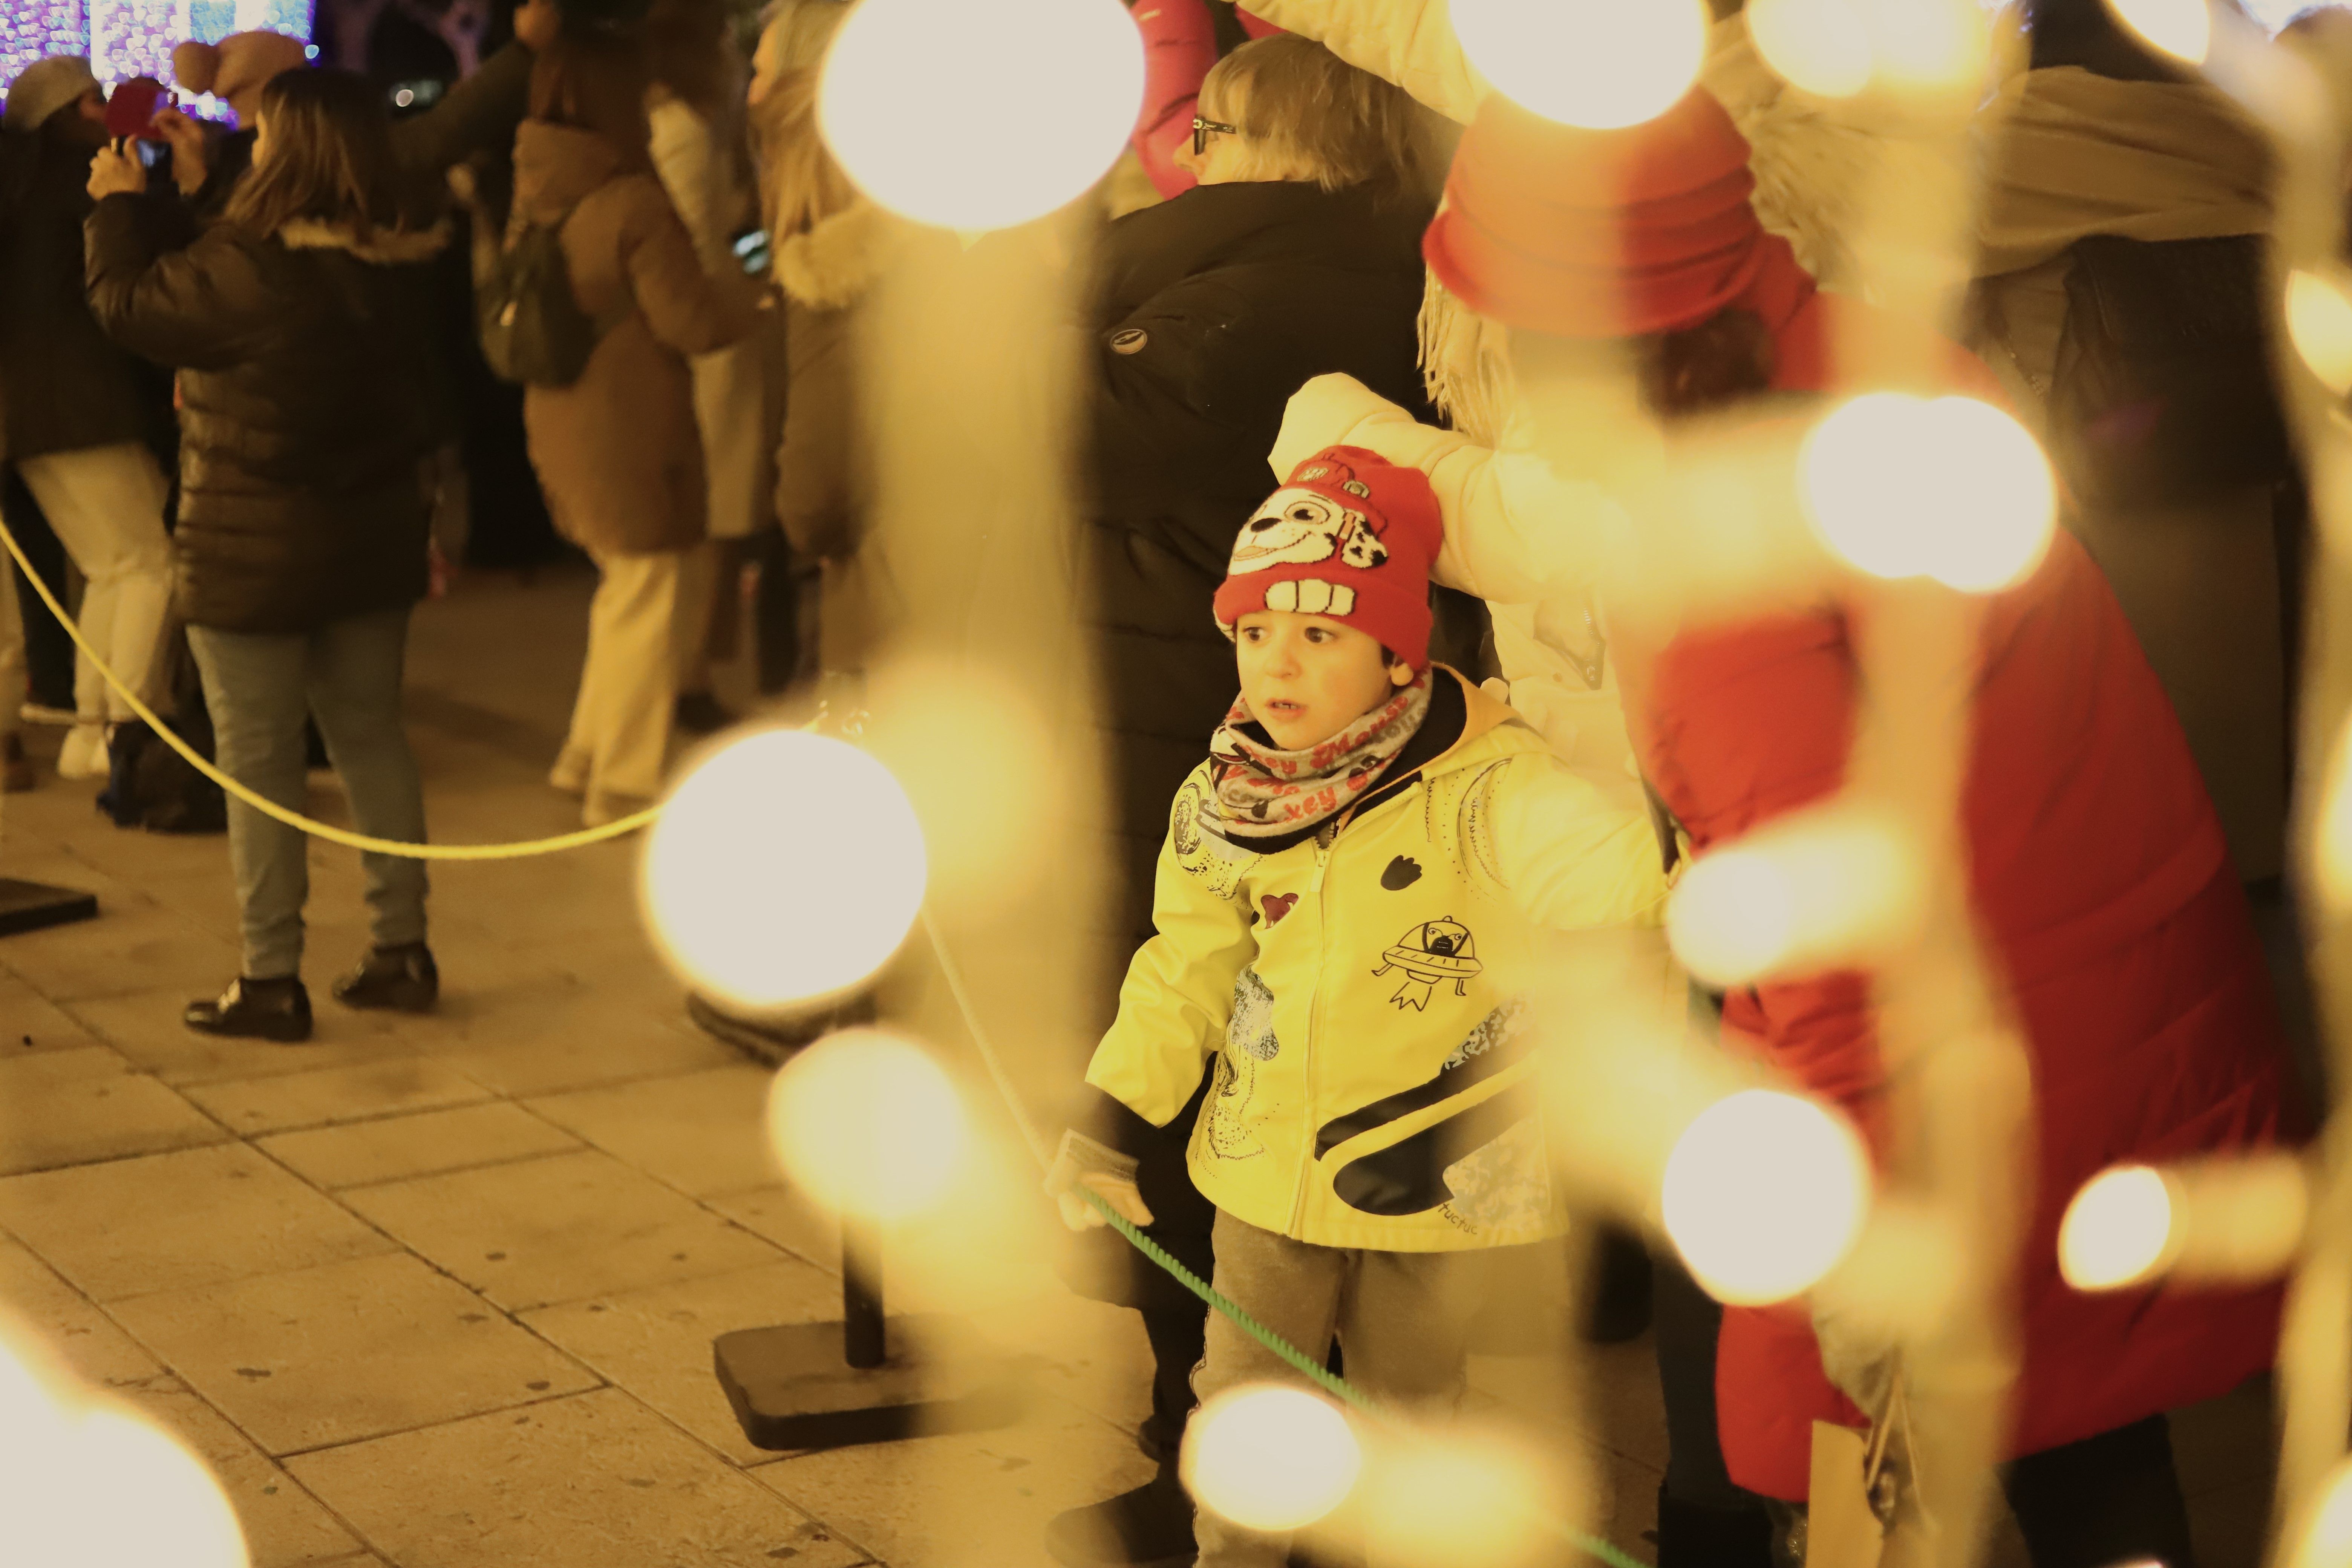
401, 979
275, 1010
1691, 1536
1150, 1526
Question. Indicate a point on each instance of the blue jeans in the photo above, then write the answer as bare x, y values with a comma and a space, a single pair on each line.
347, 674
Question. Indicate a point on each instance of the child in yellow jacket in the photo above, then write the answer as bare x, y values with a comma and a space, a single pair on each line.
1348, 906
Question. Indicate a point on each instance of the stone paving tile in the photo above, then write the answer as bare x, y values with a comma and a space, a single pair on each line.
596, 1481
589, 1044
558, 1229
30, 1023
657, 1343
978, 1499
788, 1219
121, 951
178, 1222
348, 1351
337, 1094
145, 1026
397, 1148
704, 1133
77, 1337
285, 1526
70, 1107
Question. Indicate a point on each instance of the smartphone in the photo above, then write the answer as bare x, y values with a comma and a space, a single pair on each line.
752, 250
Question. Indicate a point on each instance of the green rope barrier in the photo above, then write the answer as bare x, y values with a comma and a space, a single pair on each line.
1322, 1376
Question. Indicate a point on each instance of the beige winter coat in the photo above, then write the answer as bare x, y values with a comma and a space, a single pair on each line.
619, 453
695, 159
2071, 154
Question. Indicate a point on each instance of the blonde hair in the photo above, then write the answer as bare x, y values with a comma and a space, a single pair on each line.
800, 184
1310, 115
1466, 364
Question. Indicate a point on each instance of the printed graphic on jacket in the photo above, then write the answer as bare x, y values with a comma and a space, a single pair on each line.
1484, 1168
1432, 954
1200, 849
1249, 1040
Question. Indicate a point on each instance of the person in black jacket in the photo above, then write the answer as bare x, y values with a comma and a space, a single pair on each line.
1297, 253
82, 410
300, 327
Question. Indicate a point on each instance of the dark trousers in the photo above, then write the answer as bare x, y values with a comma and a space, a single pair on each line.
2115, 1498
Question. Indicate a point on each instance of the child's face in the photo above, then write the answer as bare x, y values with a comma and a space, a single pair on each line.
1307, 678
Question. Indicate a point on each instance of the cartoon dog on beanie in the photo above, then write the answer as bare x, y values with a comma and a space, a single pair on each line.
1298, 526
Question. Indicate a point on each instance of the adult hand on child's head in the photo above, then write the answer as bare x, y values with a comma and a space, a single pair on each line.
116, 172
1124, 1198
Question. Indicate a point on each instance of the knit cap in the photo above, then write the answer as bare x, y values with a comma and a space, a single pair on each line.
1351, 536
1598, 233
44, 86
239, 64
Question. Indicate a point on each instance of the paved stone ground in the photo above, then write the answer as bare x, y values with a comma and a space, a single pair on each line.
437, 1293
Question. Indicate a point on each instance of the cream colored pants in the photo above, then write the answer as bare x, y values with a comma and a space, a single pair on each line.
106, 506
649, 615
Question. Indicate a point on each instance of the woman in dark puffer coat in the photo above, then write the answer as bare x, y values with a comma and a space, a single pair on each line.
300, 327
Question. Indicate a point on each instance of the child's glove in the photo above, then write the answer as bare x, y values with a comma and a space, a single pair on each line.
1100, 1169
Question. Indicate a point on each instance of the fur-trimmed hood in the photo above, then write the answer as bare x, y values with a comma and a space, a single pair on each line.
832, 265
383, 247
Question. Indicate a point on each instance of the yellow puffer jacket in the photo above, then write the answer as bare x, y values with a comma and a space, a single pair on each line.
1361, 990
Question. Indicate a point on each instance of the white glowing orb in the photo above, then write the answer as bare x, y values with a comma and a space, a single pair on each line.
1948, 488
785, 868
1836, 48
1601, 64
182, 1517
1821, 46
867, 1122
1733, 916
1764, 1193
2117, 1231
2181, 28
1270, 1458
2319, 323
2327, 1539
974, 117
1468, 1498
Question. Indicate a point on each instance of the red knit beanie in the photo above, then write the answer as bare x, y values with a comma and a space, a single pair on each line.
1352, 537
1598, 233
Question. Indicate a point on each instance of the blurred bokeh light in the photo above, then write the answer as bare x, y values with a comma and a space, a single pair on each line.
1270, 1458
867, 1123
785, 868
1948, 488
1764, 1193
1602, 63
959, 115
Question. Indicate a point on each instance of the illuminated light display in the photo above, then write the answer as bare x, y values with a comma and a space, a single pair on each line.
125, 39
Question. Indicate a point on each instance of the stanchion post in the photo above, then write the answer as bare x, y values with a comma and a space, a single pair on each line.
865, 1342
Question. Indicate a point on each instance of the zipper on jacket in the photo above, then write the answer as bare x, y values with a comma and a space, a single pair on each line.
1324, 848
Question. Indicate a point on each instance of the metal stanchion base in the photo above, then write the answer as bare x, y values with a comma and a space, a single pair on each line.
32, 906
792, 1391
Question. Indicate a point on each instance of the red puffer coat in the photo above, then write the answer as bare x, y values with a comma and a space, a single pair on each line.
2100, 877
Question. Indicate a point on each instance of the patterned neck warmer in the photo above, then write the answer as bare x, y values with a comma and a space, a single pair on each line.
1266, 793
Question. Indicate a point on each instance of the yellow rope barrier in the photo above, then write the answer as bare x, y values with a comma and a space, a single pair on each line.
317, 830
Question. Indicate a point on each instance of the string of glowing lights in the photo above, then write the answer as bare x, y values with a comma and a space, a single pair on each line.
517, 850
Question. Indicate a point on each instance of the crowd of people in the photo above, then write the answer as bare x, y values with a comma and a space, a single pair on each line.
1346, 291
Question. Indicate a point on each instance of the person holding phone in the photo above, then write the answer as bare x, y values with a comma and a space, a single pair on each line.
82, 410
